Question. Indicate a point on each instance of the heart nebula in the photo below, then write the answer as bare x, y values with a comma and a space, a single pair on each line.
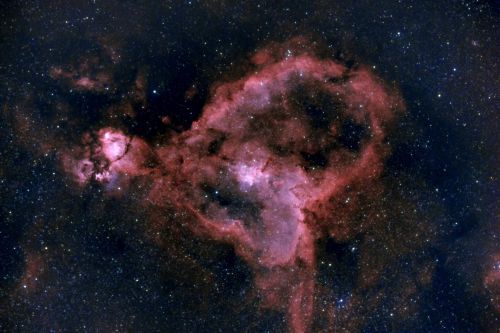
277, 160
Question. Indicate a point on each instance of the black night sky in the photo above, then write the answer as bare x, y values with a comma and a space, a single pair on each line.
226, 166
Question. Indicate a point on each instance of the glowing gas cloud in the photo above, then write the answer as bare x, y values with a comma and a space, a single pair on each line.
278, 159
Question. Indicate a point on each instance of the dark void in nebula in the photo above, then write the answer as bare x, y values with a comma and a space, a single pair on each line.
218, 167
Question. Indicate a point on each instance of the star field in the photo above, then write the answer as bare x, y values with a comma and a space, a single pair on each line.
186, 166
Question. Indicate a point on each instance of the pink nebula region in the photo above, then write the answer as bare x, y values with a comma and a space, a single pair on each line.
277, 160
109, 157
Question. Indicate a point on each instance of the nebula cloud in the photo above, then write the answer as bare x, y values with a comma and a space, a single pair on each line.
277, 160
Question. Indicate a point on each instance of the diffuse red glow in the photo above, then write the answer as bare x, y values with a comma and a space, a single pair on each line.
269, 167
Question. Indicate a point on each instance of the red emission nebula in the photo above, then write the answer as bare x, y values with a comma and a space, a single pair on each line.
278, 159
